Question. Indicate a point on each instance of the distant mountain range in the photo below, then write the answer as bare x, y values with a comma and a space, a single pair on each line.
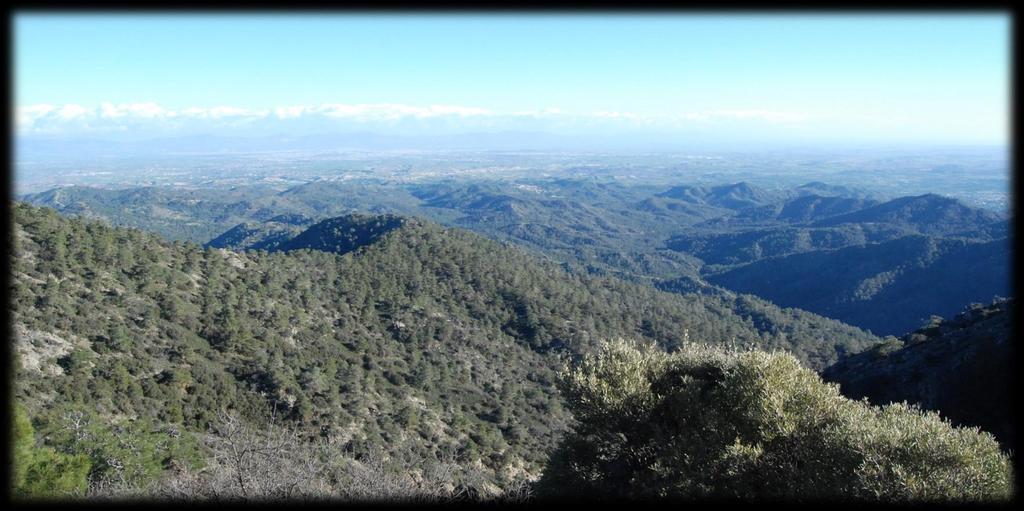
831, 250
927, 214
885, 266
732, 196
807, 208
887, 287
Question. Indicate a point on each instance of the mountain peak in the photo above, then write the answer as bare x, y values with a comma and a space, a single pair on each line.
731, 196
930, 214
346, 233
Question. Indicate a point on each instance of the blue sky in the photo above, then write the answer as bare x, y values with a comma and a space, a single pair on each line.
915, 78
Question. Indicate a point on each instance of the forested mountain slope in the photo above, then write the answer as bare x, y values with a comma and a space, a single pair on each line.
888, 287
927, 214
879, 257
735, 248
261, 236
962, 368
175, 213
807, 208
730, 196
423, 339
344, 234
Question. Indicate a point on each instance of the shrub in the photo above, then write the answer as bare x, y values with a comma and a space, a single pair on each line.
702, 422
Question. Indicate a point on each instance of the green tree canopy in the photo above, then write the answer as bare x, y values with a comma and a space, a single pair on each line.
704, 422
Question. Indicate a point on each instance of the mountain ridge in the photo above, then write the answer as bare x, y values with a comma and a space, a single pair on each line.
961, 367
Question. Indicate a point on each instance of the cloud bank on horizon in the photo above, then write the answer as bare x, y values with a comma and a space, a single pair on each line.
147, 120
152, 118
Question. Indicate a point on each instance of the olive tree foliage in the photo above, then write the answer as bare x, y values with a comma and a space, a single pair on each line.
710, 423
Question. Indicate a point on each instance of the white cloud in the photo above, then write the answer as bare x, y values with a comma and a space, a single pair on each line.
194, 112
770, 116
70, 112
617, 115
461, 111
117, 117
289, 112
387, 111
229, 111
27, 115
760, 115
218, 112
546, 112
142, 110
150, 116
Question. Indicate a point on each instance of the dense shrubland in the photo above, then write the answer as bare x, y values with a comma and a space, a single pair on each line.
707, 423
